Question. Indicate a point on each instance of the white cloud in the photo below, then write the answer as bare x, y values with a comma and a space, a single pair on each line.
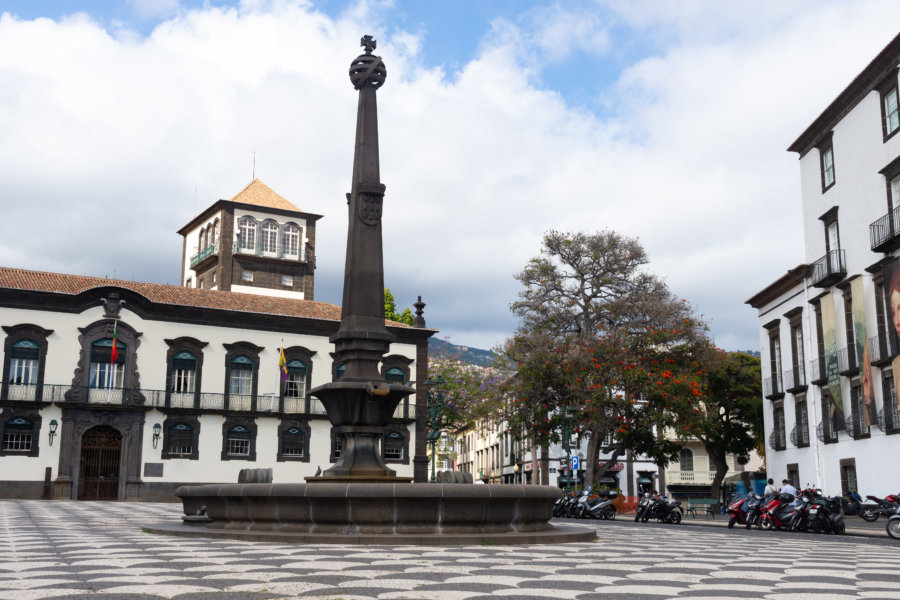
105, 137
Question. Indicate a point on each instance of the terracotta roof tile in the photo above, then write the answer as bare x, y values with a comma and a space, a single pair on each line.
59, 283
259, 194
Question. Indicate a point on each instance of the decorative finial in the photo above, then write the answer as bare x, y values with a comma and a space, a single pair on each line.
367, 70
419, 321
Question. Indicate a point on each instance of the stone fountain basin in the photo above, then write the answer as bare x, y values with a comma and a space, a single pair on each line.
367, 513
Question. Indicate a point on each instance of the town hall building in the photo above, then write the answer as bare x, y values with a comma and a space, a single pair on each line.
123, 390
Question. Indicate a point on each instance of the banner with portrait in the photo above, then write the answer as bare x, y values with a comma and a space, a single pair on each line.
891, 280
832, 368
869, 414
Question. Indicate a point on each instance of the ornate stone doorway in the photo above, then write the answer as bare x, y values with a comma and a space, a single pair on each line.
101, 453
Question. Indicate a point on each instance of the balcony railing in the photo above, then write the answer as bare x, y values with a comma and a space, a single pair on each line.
889, 419
826, 432
776, 440
772, 387
689, 477
795, 379
829, 269
884, 234
881, 349
279, 251
847, 360
210, 250
817, 371
157, 398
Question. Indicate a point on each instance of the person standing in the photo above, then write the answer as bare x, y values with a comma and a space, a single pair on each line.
787, 488
770, 488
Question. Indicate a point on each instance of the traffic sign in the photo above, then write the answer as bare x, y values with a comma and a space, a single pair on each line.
575, 465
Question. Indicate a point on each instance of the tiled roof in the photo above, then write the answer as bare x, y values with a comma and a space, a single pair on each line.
259, 194
59, 283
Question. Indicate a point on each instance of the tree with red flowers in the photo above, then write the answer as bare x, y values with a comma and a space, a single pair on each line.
607, 338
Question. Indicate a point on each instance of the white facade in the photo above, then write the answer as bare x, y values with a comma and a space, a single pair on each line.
827, 340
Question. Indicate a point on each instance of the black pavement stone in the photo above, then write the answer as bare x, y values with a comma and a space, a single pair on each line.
222, 596
537, 584
371, 592
470, 586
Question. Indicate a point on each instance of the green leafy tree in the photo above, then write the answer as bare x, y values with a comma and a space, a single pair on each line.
603, 333
390, 310
724, 415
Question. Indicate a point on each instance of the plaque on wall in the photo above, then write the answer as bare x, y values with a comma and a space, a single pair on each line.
153, 469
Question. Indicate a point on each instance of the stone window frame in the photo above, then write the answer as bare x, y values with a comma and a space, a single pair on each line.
403, 432
889, 402
884, 88
826, 146
828, 420
195, 347
192, 421
262, 245
243, 245
17, 333
890, 172
304, 355
848, 466
334, 439
251, 351
776, 359
780, 433
284, 233
398, 361
792, 472
34, 416
99, 330
683, 453
800, 401
859, 430
283, 427
248, 423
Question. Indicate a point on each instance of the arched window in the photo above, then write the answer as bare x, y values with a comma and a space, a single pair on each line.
106, 371
291, 240
184, 377
686, 459
241, 379
215, 233
269, 236
395, 375
18, 435
203, 243
24, 357
247, 233
394, 445
295, 384
237, 441
180, 440
293, 443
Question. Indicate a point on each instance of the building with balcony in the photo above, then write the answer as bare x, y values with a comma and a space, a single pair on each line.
828, 327
256, 243
125, 390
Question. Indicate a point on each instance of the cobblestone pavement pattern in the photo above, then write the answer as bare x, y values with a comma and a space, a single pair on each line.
97, 550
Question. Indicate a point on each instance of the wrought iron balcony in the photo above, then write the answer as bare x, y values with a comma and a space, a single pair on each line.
829, 269
848, 362
211, 250
856, 428
279, 251
889, 419
881, 349
776, 440
795, 380
772, 387
817, 370
884, 234
826, 432
800, 436
208, 401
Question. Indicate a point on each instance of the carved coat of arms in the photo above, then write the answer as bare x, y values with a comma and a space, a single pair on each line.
370, 208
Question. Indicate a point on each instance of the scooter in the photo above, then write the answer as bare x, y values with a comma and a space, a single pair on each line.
826, 515
753, 507
776, 514
604, 509
893, 525
738, 510
852, 503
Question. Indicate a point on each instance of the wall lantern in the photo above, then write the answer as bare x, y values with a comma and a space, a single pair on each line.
157, 430
53, 426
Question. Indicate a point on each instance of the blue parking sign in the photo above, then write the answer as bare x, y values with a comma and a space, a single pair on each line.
575, 465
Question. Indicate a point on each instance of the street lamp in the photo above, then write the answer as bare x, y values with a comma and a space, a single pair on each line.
52, 433
435, 398
157, 430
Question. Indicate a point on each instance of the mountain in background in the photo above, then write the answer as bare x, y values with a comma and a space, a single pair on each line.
467, 354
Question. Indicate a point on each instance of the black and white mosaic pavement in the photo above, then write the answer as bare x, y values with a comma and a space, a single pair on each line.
97, 551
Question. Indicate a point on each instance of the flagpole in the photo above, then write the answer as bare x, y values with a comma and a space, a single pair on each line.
277, 378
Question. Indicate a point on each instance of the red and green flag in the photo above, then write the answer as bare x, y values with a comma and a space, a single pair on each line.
115, 351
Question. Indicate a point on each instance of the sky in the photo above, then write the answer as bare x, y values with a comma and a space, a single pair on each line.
499, 120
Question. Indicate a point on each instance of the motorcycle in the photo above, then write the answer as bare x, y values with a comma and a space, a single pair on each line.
826, 515
852, 503
603, 508
737, 508
752, 507
893, 525
776, 513
565, 506
664, 511
642, 507
800, 508
882, 507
